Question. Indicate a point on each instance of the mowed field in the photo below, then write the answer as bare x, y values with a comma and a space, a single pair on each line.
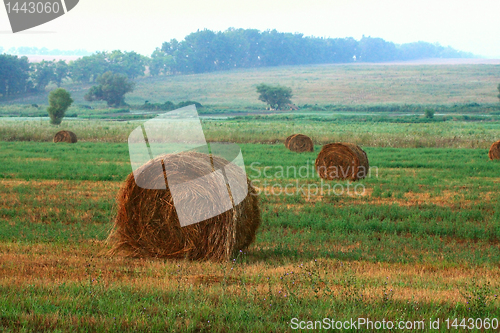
418, 239
333, 84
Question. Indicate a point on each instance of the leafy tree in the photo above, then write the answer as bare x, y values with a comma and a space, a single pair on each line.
376, 50
14, 75
42, 74
131, 63
87, 69
61, 71
59, 102
275, 96
112, 89
161, 63
498, 90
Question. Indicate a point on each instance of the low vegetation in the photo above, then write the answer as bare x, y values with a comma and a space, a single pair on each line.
323, 130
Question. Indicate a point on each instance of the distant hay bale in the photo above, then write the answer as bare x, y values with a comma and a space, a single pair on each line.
65, 136
299, 143
342, 161
147, 224
494, 153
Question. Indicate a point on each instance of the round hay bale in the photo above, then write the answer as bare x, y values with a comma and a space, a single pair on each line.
65, 136
287, 140
147, 224
342, 161
299, 143
494, 153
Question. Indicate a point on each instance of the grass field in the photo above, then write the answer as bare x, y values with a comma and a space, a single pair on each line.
419, 239
318, 84
415, 242
322, 129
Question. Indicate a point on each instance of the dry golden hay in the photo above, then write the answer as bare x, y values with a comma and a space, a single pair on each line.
299, 143
494, 153
342, 161
288, 140
65, 136
147, 224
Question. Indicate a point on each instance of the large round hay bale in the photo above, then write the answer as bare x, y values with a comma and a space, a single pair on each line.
65, 136
342, 161
494, 153
287, 140
147, 223
299, 143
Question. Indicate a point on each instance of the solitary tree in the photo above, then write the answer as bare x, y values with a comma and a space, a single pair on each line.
275, 96
498, 91
59, 102
112, 89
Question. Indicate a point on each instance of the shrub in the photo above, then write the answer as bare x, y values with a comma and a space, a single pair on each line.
429, 114
59, 102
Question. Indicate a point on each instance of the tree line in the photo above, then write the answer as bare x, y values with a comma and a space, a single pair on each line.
207, 51
23, 50
18, 75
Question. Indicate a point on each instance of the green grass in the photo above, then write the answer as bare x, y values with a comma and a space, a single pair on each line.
323, 130
190, 310
318, 84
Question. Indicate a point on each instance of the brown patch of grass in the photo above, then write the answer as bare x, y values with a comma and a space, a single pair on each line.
211, 279
43, 264
452, 198
50, 196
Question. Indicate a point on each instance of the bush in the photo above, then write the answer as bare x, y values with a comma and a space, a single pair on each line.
167, 106
429, 114
59, 102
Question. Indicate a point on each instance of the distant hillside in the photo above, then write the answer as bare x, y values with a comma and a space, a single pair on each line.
339, 84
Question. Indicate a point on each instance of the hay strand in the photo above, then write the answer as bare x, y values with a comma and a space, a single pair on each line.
65, 136
342, 161
494, 153
147, 224
299, 143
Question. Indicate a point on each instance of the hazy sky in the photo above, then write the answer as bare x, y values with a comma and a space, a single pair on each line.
97, 25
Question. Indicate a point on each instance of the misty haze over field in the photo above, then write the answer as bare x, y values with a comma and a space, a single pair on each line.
142, 26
